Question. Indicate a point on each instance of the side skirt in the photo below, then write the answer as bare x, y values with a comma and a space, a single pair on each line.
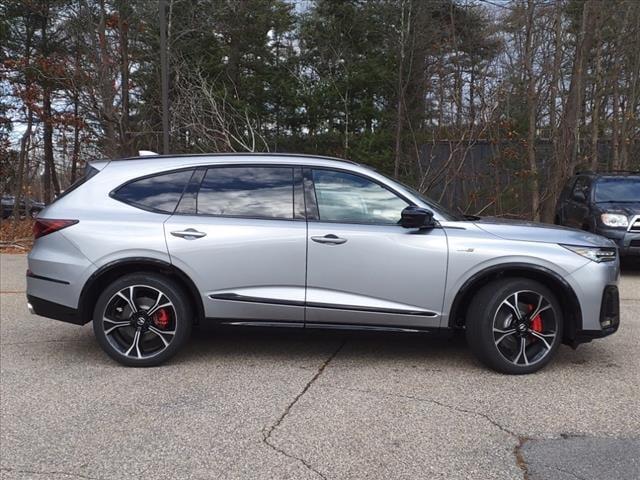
322, 326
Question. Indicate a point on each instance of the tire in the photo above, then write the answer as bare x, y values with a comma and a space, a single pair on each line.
140, 338
496, 333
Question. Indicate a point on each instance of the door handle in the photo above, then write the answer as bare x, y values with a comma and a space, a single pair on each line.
329, 239
189, 234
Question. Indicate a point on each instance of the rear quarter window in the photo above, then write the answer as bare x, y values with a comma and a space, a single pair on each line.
157, 193
89, 172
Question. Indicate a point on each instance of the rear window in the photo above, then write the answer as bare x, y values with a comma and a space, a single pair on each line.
256, 192
158, 193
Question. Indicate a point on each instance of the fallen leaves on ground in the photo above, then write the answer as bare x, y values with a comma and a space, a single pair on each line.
16, 237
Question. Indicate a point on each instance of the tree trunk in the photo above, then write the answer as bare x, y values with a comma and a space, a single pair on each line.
123, 29
47, 138
596, 104
548, 209
531, 110
401, 87
47, 118
75, 156
615, 136
568, 132
107, 113
25, 141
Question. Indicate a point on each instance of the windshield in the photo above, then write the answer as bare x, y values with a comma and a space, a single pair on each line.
442, 211
623, 190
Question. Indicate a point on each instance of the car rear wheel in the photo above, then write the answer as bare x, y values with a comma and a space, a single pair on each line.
514, 325
142, 319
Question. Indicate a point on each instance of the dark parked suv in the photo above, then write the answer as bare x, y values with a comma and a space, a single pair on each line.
28, 205
604, 203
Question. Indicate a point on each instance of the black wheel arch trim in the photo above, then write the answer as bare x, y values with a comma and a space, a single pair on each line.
85, 307
569, 296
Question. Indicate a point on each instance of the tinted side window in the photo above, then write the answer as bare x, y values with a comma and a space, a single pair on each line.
582, 185
257, 192
348, 198
159, 193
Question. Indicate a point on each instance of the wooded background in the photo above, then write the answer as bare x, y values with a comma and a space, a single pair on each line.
486, 105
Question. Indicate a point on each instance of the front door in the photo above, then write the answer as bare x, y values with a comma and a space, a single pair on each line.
362, 267
238, 234
577, 207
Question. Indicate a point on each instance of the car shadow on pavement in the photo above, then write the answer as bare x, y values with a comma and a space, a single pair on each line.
286, 344
248, 345
630, 266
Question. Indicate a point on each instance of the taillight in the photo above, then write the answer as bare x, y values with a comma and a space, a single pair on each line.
45, 226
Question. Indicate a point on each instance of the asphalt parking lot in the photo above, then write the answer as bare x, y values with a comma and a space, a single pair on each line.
298, 405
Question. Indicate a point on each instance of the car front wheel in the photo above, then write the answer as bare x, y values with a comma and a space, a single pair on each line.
514, 325
142, 319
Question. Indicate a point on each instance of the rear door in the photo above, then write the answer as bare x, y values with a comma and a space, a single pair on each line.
239, 232
363, 267
561, 207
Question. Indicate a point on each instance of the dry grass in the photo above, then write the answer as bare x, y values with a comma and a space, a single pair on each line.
16, 238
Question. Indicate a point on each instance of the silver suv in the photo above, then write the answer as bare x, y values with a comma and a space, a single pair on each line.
146, 247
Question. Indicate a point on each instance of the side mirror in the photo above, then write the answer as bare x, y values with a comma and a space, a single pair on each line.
579, 196
417, 217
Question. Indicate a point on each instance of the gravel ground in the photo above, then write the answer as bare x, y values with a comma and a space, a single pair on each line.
274, 404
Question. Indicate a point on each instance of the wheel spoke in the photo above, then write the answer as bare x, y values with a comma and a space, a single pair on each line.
105, 319
498, 330
161, 334
129, 299
522, 352
149, 310
505, 334
542, 337
135, 344
115, 325
157, 307
539, 308
515, 308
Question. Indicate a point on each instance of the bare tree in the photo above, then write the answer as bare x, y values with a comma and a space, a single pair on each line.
209, 119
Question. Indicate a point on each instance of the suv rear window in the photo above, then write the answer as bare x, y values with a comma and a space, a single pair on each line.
158, 193
256, 192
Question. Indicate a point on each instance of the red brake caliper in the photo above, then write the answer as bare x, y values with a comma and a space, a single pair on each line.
536, 323
161, 318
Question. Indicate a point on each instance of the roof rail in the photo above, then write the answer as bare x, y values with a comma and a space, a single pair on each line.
608, 172
235, 154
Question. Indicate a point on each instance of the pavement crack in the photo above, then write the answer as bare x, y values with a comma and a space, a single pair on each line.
48, 473
439, 403
517, 451
520, 461
268, 432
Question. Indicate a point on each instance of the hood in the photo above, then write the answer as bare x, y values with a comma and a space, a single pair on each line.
629, 209
540, 232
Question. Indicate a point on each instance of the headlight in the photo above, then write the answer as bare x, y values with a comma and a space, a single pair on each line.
596, 254
614, 220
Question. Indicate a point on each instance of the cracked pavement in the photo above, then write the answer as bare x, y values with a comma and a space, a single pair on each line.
310, 405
